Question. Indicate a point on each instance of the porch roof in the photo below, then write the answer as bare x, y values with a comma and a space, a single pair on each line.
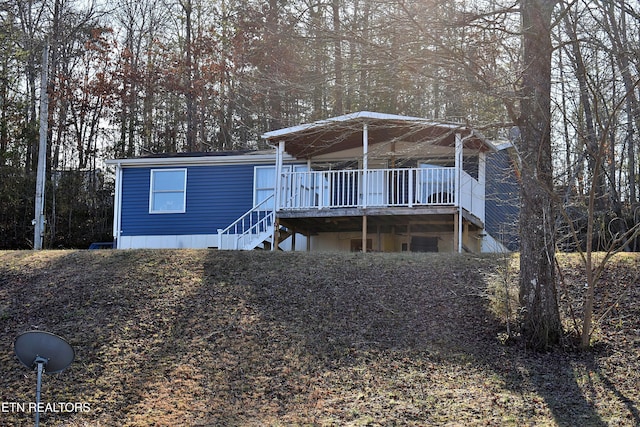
345, 132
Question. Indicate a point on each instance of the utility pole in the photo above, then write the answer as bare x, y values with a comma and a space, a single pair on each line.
39, 220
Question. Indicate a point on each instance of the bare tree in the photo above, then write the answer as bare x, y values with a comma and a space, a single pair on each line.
618, 237
541, 326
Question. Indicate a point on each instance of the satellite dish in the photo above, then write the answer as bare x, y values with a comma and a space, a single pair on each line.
45, 352
56, 352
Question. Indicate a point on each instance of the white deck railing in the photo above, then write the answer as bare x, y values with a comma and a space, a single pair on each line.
377, 188
472, 195
254, 227
408, 187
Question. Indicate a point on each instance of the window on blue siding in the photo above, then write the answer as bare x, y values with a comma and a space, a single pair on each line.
168, 192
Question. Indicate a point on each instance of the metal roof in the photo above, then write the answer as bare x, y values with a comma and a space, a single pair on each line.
345, 132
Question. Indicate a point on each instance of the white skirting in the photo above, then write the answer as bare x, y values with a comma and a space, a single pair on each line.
193, 241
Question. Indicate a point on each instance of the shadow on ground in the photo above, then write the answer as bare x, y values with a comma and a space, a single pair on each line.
254, 338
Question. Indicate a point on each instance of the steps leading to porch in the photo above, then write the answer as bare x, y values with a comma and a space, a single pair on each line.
253, 230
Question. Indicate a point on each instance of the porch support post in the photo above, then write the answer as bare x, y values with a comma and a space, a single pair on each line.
364, 234
293, 239
365, 190
277, 194
456, 236
278, 181
365, 163
458, 164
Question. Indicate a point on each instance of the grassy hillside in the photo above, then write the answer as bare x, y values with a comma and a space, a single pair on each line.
257, 338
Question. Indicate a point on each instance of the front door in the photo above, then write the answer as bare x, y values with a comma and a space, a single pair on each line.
376, 187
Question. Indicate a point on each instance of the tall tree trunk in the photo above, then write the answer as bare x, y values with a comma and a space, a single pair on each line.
30, 45
4, 108
315, 13
363, 87
541, 325
618, 35
569, 178
187, 7
272, 68
149, 100
337, 59
589, 134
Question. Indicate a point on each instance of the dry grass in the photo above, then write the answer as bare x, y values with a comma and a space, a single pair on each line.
219, 338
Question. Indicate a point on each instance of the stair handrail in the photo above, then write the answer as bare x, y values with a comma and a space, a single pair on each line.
242, 220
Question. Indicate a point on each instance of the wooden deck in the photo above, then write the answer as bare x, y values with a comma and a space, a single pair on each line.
379, 192
423, 218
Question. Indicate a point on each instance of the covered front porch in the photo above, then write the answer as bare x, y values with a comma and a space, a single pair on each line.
397, 182
381, 175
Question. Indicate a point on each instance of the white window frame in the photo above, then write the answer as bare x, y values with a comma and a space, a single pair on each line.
272, 186
152, 192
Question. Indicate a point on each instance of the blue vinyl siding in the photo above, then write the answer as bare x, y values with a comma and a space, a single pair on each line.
502, 200
216, 196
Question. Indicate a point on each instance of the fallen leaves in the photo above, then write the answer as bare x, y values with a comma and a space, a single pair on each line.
256, 338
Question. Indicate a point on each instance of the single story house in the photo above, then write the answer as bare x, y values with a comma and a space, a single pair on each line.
358, 182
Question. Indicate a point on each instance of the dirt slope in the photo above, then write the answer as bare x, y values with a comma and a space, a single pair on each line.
258, 338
